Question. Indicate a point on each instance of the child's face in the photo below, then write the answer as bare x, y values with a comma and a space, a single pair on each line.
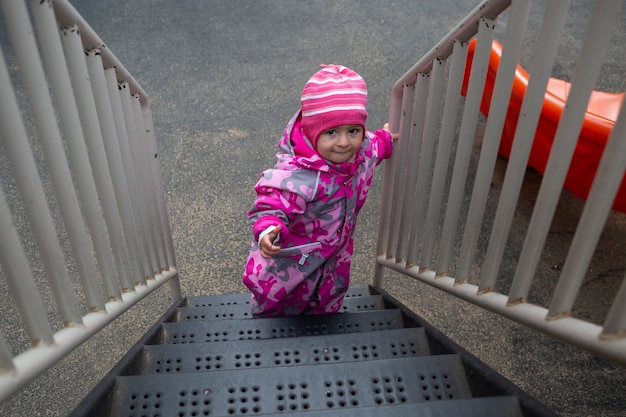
340, 143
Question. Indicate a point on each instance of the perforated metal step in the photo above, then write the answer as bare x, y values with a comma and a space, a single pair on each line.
242, 311
474, 407
244, 298
268, 328
309, 350
292, 389
386, 362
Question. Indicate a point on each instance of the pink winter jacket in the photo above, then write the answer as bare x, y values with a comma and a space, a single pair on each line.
316, 202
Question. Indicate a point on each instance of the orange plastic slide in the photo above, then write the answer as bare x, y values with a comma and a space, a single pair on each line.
598, 123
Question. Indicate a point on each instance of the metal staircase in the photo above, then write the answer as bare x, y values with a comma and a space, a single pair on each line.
74, 259
207, 356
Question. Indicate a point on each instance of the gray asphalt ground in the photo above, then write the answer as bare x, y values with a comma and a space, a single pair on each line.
224, 77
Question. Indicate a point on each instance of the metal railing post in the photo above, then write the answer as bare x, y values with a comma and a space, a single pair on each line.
493, 131
22, 161
603, 20
121, 164
19, 277
543, 62
110, 255
603, 191
477, 78
444, 148
60, 83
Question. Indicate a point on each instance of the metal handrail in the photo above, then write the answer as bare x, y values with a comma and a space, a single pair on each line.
94, 126
414, 241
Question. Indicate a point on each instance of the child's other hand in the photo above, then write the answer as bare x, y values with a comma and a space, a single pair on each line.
268, 249
394, 136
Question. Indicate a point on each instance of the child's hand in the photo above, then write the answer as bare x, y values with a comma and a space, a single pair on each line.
268, 249
394, 136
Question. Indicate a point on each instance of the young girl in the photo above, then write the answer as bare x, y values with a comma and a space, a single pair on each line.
306, 207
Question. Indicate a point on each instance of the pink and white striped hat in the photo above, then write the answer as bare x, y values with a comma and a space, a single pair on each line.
333, 96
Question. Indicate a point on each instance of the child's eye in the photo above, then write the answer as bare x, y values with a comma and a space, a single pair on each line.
354, 131
330, 132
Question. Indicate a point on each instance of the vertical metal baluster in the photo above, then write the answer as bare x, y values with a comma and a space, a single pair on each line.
60, 83
160, 191
127, 192
615, 323
543, 61
79, 75
136, 163
15, 265
512, 45
417, 139
24, 167
414, 142
151, 199
597, 208
112, 154
444, 148
603, 20
399, 175
466, 140
424, 174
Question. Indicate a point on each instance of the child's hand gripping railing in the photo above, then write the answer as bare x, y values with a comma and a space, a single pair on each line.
415, 241
99, 220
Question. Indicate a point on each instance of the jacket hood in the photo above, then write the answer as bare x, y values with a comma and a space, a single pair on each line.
296, 150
